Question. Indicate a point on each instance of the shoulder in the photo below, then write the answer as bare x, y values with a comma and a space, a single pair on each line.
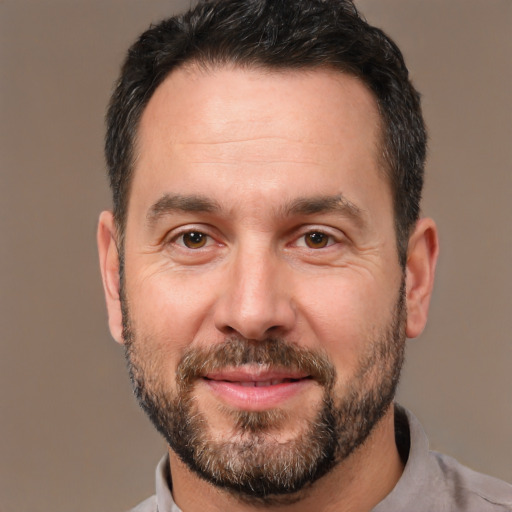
470, 489
148, 505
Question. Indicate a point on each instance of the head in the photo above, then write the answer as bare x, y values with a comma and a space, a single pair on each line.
265, 261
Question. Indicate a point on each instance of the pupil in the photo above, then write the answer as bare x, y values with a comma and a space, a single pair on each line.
194, 238
316, 238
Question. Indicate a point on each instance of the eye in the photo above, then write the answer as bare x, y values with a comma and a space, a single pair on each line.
315, 240
193, 239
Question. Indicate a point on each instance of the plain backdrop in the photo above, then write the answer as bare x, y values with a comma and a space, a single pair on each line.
71, 435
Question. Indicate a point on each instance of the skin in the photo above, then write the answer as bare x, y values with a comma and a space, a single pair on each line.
255, 143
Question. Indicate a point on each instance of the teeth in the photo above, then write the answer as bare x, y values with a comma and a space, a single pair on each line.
261, 383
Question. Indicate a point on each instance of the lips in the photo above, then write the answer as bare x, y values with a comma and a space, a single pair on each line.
253, 389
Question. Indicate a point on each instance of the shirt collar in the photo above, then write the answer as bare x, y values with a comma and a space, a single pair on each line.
164, 500
418, 467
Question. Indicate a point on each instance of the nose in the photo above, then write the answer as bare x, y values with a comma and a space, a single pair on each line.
256, 299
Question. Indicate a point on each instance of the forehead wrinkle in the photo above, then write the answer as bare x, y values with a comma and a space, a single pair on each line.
258, 150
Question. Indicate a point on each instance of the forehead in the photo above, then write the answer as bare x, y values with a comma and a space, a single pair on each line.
207, 102
242, 125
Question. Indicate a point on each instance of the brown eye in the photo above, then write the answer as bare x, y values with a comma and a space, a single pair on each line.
316, 240
194, 239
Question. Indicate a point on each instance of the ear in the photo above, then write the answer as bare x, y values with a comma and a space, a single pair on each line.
422, 255
109, 265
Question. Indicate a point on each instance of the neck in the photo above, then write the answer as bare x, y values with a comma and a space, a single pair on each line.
358, 483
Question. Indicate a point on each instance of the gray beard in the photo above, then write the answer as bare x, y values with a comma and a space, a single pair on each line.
253, 465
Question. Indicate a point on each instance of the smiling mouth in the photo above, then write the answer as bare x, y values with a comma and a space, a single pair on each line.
254, 389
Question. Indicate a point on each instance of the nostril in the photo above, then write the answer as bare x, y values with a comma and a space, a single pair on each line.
227, 329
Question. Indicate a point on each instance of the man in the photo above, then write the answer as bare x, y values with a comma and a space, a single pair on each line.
265, 261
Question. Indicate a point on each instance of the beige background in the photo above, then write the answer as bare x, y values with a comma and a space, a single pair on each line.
71, 435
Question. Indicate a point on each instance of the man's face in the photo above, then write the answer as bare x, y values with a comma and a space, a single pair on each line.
262, 290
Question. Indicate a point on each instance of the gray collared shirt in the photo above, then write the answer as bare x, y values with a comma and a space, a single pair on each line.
431, 482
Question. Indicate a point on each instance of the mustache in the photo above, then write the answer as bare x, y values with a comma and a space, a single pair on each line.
271, 352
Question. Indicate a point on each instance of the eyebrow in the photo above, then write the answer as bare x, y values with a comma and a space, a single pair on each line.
337, 204
168, 204
305, 206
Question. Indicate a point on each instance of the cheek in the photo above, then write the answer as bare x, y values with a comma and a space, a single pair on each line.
167, 312
344, 316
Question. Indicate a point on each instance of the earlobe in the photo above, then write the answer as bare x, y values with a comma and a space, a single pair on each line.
422, 255
109, 265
